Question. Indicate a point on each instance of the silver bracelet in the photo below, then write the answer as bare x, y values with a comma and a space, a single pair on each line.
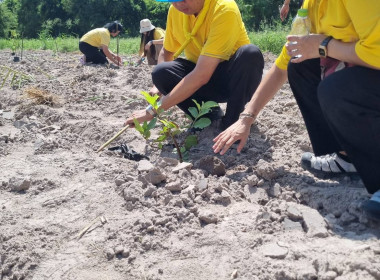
150, 111
247, 115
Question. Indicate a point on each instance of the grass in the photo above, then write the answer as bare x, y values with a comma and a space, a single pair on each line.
270, 39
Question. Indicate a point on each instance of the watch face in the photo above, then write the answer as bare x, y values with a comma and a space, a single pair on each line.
322, 51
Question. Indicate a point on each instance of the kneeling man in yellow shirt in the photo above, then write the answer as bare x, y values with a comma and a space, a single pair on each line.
220, 64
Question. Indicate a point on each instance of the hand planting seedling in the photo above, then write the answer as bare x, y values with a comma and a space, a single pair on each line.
170, 129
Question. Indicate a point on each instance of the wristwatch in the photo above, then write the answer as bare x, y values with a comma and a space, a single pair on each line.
150, 111
323, 46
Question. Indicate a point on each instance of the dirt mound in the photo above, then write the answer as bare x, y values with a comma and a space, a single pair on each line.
67, 212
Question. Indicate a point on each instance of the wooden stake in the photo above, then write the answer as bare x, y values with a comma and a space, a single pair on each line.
112, 139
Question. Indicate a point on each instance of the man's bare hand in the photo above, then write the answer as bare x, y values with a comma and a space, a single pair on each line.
140, 116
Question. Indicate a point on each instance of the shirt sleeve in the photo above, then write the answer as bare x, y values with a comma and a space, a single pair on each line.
224, 33
158, 34
283, 59
365, 17
170, 42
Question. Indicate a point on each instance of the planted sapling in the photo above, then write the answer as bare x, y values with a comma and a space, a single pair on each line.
171, 129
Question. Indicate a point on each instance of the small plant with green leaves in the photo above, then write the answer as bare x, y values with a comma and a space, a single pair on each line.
15, 42
170, 129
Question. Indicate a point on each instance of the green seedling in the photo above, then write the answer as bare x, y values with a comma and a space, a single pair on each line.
18, 77
170, 129
15, 42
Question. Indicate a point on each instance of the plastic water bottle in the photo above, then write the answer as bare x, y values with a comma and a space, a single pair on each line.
301, 24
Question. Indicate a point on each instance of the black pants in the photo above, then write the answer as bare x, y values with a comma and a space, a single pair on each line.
234, 81
342, 113
93, 54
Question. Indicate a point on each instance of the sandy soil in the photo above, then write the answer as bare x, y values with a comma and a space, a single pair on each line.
67, 212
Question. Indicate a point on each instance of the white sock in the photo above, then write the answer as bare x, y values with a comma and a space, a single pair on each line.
376, 196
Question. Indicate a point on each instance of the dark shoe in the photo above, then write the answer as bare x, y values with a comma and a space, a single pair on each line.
330, 165
372, 206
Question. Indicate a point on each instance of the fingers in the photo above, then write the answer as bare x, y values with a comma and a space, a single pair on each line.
224, 141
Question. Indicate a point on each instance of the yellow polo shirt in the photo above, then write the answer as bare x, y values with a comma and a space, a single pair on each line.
97, 37
348, 21
220, 35
159, 33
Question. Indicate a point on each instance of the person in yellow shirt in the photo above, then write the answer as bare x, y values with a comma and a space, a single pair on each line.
94, 44
152, 39
220, 64
339, 102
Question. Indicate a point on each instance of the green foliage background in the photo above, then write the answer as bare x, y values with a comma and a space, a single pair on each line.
57, 18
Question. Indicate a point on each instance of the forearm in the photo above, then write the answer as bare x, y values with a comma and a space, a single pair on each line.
110, 55
183, 90
158, 42
346, 52
269, 86
286, 2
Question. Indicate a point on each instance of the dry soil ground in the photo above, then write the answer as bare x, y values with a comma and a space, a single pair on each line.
67, 212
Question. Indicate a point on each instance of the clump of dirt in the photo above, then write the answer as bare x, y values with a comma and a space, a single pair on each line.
67, 212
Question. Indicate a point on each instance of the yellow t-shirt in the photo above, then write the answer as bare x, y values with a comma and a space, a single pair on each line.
97, 37
159, 33
348, 21
220, 35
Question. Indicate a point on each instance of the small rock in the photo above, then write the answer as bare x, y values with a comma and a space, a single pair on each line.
275, 251
212, 165
110, 253
155, 176
314, 222
8, 115
275, 190
144, 165
207, 217
119, 250
181, 166
202, 185
294, 213
290, 225
19, 184
174, 186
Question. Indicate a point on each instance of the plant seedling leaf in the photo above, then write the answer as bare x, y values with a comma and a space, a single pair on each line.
210, 104
138, 127
202, 123
152, 123
152, 100
191, 141
196, 103
193, 111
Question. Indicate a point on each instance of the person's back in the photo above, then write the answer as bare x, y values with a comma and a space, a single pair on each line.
97, 37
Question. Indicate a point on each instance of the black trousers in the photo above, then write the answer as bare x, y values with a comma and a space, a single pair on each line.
234, 81
341, 113
93, 54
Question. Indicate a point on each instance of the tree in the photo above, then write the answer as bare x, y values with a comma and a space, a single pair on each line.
8, 20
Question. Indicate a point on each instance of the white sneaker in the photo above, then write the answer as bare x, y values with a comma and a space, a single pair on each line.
329, 165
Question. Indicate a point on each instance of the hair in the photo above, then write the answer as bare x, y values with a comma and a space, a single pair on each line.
114, 26
145, 38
